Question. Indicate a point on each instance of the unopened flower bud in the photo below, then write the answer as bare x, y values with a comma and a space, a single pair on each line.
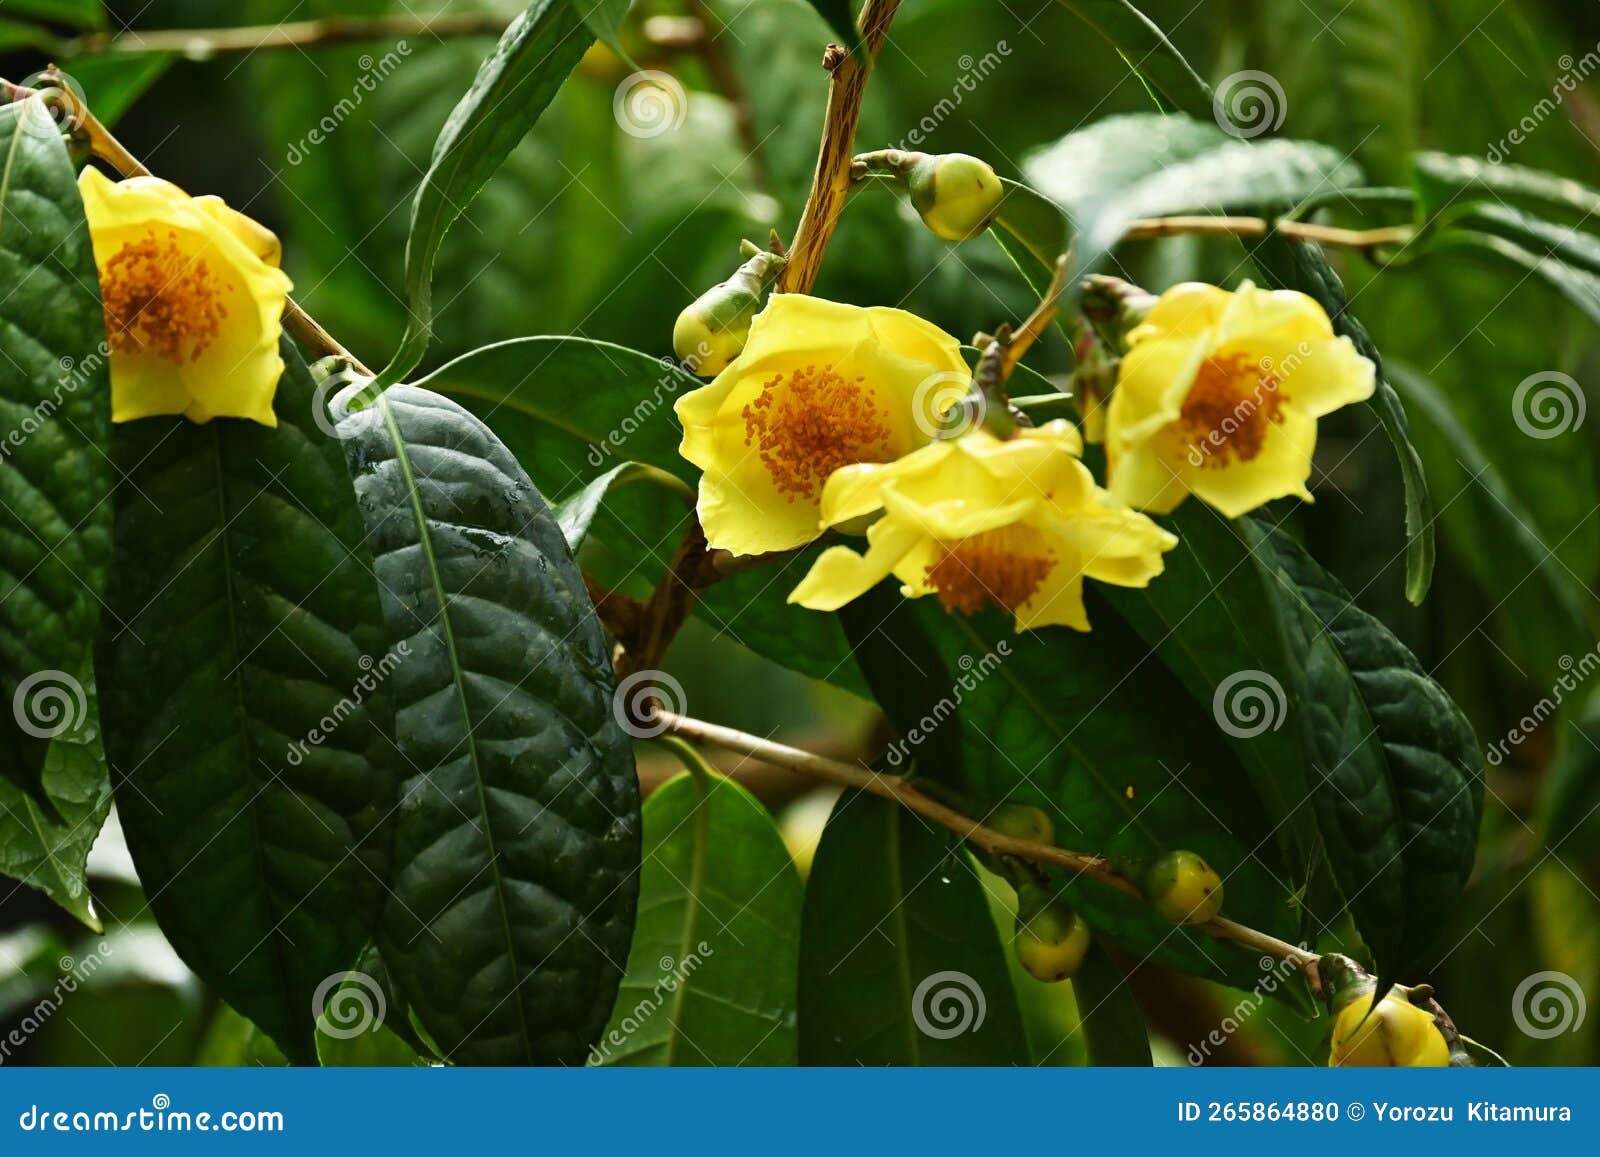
1022, 821
956, 195
1394, 1032
712, 330
1051, 939
1183, 888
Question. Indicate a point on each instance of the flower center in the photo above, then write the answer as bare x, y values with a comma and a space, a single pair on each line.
808, 423
1231, 407
1003, 567
160, 300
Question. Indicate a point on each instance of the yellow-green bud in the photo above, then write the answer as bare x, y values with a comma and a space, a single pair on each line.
1051, 940
712, 330
1023, 822
956, 195
1183, 888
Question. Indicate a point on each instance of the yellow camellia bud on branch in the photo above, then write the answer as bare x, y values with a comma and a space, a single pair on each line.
981, 521
1182, 887
1390, 1032
956, 195
712, 329
193, 300
1051, 939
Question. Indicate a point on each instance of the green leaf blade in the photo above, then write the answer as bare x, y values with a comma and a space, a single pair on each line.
518, 841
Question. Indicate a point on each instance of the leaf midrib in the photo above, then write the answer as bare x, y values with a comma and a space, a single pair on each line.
458, 673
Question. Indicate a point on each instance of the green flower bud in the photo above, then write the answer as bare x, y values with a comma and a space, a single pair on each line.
1183, 888
712, 330
1023, 822
1051, 940
956, 195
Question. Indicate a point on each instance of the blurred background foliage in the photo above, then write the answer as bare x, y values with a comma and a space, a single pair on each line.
594, 231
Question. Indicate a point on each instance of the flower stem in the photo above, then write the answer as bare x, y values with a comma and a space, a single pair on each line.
1365, 239
831, 183
203, 43
899, 791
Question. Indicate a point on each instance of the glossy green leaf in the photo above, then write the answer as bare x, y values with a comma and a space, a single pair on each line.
899, 962
243, 675
1444, 180
1288, 264
1112, 1024
46, 844
511, 90
363, 1022
1397, 779
1033, 231
517, 846
712, 972
576, 513
1170, 79
1067, 722
605, 18
841, 20
55, 420
1143, 165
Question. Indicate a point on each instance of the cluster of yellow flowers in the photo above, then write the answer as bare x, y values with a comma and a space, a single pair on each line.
831, 418
193, 300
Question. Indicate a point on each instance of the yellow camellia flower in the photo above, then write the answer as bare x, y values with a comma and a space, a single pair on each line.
1397, 1032
193, 300
976, 520
1219, 396
818, 386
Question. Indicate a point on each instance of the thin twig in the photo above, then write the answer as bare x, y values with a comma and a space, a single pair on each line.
899, 791
831, 183
1153, 227
203, 43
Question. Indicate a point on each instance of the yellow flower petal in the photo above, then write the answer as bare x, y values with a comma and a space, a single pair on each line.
840, 574
819, 387
1219, 395
193, 299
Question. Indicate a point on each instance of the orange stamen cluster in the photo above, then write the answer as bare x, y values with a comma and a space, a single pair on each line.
160, 300
1231, 408
1004, 567
808, 423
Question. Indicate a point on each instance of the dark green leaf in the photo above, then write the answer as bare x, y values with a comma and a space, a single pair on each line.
1142, 165
1444, 180
15, 35
518, 842
55, 522
80, 13
711, 976
1301, 265
363, 1022
1171, 80
242, 693
111, 83
1033, 230
604, 18
511, 90
576, 513
46, 845
899, 963
843, 22
1578, 285
1397, 778
1112, 1025
1569, 816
